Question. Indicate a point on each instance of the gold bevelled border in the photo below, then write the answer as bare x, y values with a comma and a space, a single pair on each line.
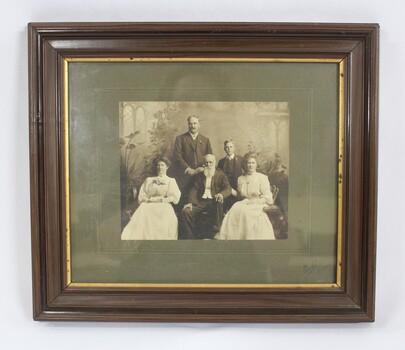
199, 59
67, 180
341, 139
340, 179
203, 285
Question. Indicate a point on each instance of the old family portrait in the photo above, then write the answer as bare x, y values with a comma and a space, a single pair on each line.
204, 170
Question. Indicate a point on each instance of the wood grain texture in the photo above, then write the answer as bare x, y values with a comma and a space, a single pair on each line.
50, 43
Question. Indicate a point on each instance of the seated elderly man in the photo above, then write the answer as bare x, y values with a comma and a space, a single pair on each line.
206, 195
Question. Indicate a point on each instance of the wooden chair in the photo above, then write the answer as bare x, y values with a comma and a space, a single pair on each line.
277, 216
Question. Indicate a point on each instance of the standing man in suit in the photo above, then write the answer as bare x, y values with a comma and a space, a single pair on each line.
189, 151
231, 165
207, 194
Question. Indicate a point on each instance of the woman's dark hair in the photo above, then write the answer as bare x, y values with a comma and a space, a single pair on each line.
161, 159
246, 157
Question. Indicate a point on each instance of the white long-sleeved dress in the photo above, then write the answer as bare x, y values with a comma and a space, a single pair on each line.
154, 221
246, 219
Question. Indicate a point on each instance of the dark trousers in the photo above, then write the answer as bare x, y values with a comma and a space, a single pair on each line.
206, 209
229, 202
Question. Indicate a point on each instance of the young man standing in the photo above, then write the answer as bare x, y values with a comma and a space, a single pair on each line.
231, 165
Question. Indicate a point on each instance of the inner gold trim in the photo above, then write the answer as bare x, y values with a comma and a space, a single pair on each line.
340, 170
200, 285
201, 59
67, 180
341, 62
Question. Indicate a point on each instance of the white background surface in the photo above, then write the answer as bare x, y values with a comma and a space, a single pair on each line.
18, 330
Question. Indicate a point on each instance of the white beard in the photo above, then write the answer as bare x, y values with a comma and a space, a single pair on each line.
209, 172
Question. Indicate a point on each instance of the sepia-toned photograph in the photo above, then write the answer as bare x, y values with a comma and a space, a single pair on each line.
204, 170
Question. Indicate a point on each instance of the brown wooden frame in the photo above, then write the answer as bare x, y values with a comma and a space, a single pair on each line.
51, 43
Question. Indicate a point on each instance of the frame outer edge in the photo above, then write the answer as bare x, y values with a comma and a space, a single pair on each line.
372, 191
266, 28
368, 33
34, 131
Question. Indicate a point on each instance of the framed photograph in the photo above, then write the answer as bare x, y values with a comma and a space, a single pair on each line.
203, 172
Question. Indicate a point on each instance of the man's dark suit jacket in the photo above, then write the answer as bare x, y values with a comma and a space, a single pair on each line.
219, 184
190, 155
237, 171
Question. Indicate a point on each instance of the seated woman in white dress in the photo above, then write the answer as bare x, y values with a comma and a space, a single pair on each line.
246, 219
155, 218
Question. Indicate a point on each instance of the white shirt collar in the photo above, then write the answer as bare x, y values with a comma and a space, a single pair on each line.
193, 136
231, 157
